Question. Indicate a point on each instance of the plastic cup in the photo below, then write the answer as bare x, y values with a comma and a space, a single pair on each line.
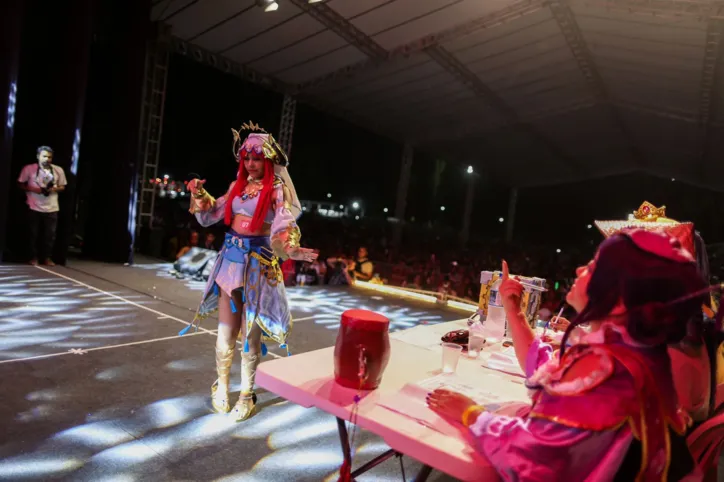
450, 357
475, 344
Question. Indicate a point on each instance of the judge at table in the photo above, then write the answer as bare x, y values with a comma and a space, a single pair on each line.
606, 408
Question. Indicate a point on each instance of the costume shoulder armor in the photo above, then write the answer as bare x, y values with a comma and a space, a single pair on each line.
278, 181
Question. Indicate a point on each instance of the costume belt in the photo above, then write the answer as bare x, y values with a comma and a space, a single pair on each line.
238, 247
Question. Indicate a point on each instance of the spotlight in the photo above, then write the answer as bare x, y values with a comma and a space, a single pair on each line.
329, 195
470, 169
341, 206
501, 220
355, 205
442, 208
357, 218
558, 251
267, 5
385, 210
589, 226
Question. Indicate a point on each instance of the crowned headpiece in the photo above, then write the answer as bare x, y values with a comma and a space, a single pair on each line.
259, 141
652, 218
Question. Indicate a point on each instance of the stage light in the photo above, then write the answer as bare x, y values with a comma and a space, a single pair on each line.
385, 210
357, 218
355, 205
470, 169
589, 226
12, 101
341, 206
442, 208
329, 195
501, 220
267, 5
558, 251
673, 179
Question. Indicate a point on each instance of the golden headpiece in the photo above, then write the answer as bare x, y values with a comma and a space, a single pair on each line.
259, 141
652, 218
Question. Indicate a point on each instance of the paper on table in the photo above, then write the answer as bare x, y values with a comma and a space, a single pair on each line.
410, 400
418, 337
504, 361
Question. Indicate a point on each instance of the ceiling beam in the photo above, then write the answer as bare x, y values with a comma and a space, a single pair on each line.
711, 84
455, 67
322, 13
248, 74
568, 25
516, 10
699, 9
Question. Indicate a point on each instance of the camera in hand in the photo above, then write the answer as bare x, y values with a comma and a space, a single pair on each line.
47, 190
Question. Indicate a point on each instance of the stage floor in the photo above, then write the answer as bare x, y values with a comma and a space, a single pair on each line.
97, 386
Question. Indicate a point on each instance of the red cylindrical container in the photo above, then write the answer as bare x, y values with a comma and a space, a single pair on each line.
362, 349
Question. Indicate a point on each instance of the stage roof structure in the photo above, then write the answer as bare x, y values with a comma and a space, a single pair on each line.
537, 92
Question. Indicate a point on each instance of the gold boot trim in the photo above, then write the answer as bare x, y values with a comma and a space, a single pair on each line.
247, 399
219, 399
244, 407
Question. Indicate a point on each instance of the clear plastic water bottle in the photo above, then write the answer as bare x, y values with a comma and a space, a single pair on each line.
495, 321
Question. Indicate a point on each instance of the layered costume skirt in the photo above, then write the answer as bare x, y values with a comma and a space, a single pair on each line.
247, 264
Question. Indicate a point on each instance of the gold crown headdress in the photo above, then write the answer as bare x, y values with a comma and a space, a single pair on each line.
269, 146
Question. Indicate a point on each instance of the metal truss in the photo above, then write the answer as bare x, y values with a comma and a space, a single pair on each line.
403, 185
224, 64
286, 127
151, 123
699, 9
448, 61
711, 82
248, 74
516, 10
574, 38
323, 14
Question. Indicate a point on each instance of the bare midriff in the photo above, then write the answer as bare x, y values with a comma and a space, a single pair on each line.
241, 225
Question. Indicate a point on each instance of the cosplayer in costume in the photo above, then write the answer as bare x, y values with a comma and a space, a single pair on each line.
694, 360
246, 285
604, 408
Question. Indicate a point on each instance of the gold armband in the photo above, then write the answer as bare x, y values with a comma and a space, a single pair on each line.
472, 409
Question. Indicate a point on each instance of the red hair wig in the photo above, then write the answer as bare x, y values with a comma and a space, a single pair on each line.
265, 196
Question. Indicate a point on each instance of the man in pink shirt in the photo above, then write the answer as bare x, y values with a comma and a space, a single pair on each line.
42, 182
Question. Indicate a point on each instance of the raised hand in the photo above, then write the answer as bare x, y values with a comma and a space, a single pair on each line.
303, 254
198, 202
196, 186
511, 292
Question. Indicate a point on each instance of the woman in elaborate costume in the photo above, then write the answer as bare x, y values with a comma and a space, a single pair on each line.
246, 285
606, 407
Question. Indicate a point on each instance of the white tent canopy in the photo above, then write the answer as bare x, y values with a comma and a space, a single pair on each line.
539, 92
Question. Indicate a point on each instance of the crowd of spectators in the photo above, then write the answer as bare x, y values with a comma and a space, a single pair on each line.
428, 258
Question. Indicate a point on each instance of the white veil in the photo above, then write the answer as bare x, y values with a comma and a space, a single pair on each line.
294, 205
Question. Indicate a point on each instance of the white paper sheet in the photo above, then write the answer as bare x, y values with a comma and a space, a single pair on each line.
410, 400
504, 361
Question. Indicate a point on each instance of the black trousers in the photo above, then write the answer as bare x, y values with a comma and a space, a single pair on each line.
41, 224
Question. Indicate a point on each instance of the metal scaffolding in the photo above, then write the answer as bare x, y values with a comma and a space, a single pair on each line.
151, 124
711, 80
587, 65
408, 155
450, 63
286, 127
